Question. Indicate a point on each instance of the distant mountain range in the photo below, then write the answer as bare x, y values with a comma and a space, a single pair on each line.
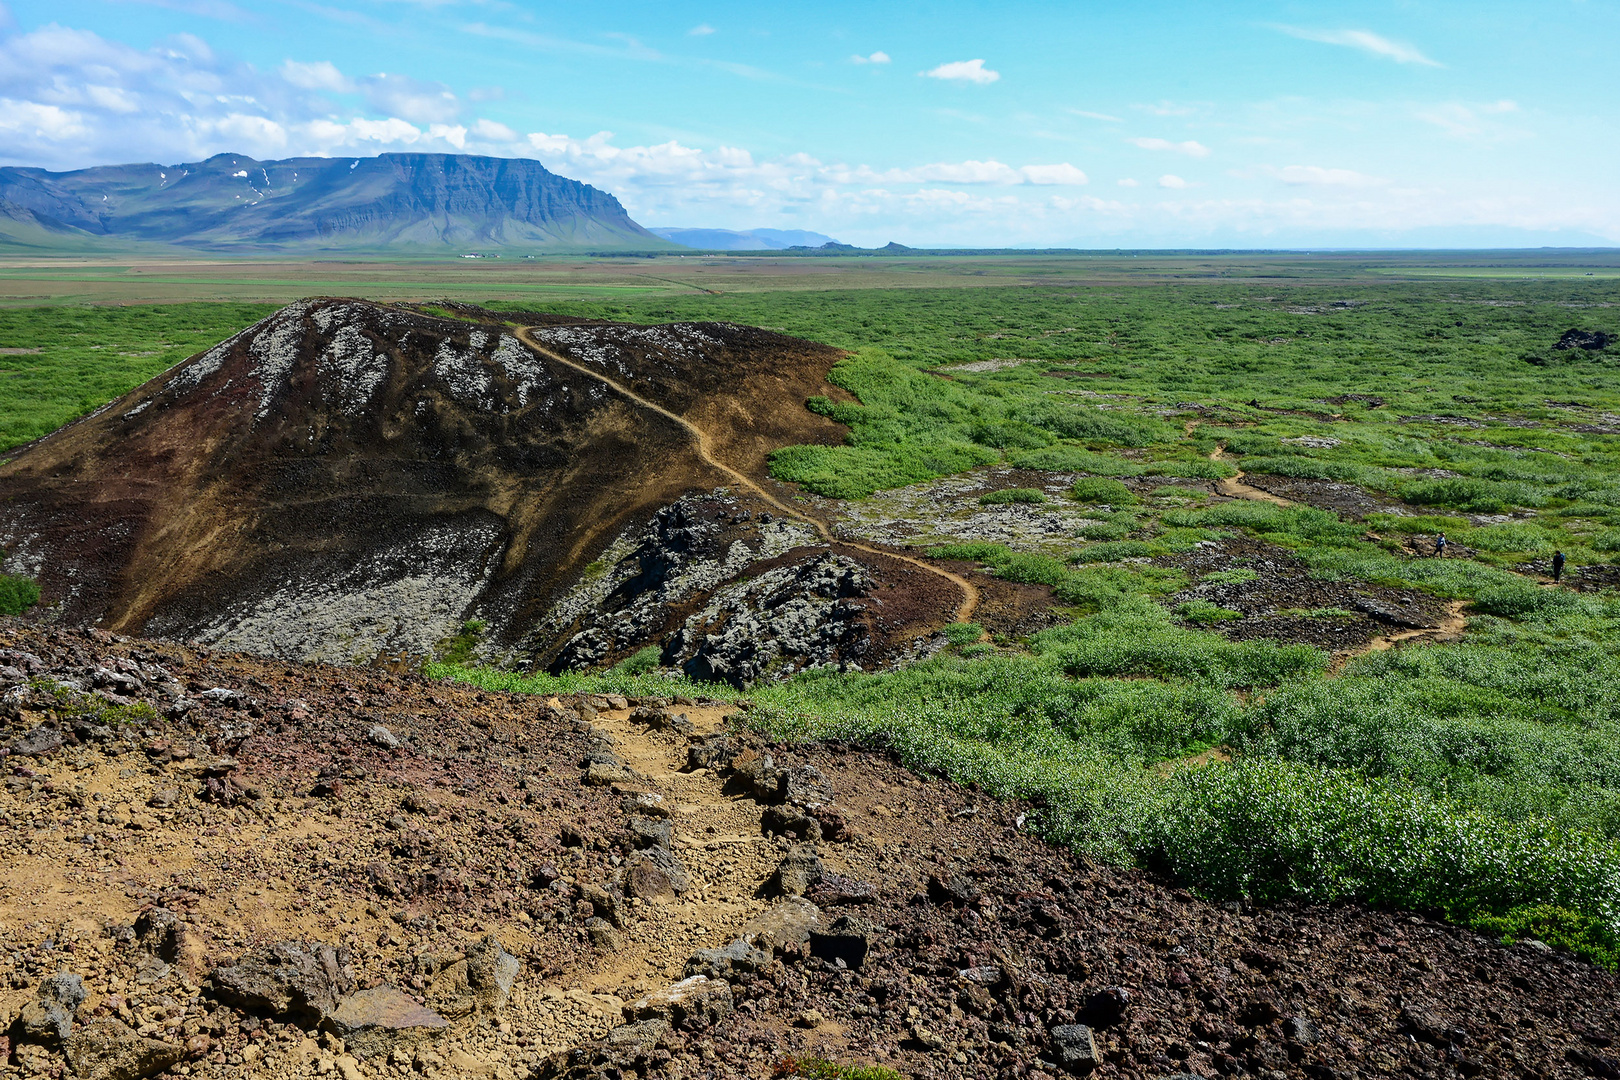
395, 201
751, 240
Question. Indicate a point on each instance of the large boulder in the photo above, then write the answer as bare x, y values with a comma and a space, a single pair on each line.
480, 982
378, 1020
48, 1019
293, 979
697, 1002
110, 1049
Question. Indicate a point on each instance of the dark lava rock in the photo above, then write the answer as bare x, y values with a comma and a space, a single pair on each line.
1409, 618
1074, 1047
954, 889
649, 833
293, 979
845, 942
1108, 1006
48, 1019
739, 956
37, 741
1591, 340
777, 820
798, 872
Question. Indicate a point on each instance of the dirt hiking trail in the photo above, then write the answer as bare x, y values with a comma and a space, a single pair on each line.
970, 592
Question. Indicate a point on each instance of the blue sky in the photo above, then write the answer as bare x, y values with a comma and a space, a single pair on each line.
944, 123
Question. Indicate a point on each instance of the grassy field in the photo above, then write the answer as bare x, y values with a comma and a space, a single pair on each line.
1477, 778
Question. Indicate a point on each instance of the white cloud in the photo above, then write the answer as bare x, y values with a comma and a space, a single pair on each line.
879, 57
491, 131
419, 102
1126, 181
1317, 176
1191, 147
1054, 174
1096, 116
321, 75
972, 71
1364, 40
1170, 180
700, 30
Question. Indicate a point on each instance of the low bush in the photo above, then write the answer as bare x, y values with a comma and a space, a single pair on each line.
1012, 495
17, 594
1101, 491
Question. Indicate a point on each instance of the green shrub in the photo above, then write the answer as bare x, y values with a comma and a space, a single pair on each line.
1106, 530
1076, 459
639, 662
1584, 935
963, 633
1012, 495
1457, 492
1116, 550
1010, 435
1101, 491
816, 1068
17, 594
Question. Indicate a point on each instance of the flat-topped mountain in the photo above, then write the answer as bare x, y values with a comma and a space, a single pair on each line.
411, 201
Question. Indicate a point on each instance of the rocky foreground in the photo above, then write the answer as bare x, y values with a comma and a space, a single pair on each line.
215, 865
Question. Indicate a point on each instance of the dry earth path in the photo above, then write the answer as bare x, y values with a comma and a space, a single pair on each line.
970, 592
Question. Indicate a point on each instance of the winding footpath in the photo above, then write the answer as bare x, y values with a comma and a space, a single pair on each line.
970, 592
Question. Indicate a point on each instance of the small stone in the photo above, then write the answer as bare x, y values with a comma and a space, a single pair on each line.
1300, 1030
381, 736
606, 774
952, 889
810, 1018
1075, 1048
603, 935
655, 874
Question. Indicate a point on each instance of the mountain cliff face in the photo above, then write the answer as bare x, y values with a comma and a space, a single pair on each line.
419, 201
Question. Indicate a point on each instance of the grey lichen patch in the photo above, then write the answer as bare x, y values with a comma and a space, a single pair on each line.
615, 348
399, 601
947, 511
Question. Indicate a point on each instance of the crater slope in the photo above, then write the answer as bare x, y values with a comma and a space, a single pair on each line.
350, 482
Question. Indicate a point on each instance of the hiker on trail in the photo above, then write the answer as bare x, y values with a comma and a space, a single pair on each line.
1558, 566
1440, 546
